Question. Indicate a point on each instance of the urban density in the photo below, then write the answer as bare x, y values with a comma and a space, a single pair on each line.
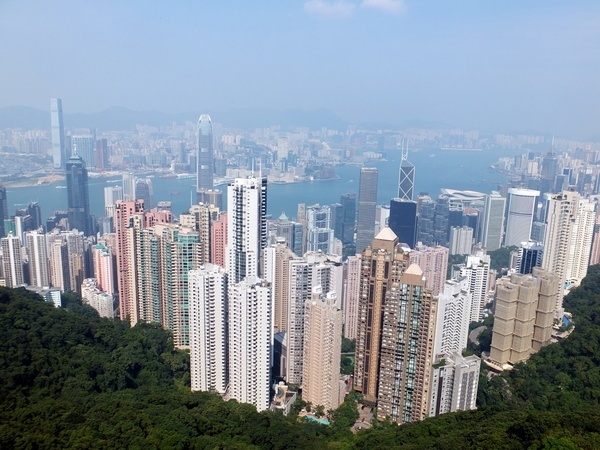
263, 304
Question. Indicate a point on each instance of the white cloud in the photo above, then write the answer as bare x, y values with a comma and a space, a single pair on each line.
335, 9
389, 6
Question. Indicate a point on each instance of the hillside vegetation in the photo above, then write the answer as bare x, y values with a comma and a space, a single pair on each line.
73, 380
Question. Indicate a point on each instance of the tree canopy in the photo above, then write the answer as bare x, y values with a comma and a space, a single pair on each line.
73, 380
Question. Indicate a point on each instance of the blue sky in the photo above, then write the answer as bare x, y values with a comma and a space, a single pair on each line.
499, 66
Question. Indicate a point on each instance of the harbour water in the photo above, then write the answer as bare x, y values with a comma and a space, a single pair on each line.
434, 169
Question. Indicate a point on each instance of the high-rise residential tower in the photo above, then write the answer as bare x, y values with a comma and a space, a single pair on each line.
12, 264
396, 326
59, 148
78, 195
246, 227
568, 239
524, 316
434, 263
367, 206
204, 170
351, 296
322, 350
249, 320
520, 214
209, 332
37, 254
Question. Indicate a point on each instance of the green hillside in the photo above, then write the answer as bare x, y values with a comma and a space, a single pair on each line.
72, 380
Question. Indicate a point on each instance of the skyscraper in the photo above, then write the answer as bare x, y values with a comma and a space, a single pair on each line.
519, 219
396, 326
434, 263
461, 240
568, 240
78, 195
454, 384
351, 296
3, 210
59, 148
524, 316
246, 227
322, 350
530, 255
406, 353
37, 254
367, 206
12, 264
319, 231
453, 317
85, 147
204, 171
406, 178
125, 211
348, 202
403, 220
209, 333
493, 221
477, 271
249, 318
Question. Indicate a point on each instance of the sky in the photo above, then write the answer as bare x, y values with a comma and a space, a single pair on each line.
503, 66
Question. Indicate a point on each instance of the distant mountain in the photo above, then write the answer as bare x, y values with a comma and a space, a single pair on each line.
120, 118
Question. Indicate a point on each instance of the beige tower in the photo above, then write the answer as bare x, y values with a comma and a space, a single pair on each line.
524, 316
408, 336
322, 350
277, 272
351, 296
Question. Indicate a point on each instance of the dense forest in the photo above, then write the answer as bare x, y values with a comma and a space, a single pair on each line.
73, 380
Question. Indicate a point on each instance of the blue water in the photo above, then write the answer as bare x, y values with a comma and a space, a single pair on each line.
434, 169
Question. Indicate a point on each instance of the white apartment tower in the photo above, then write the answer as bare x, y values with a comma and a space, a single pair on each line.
568, 240
249, 314
37, 254
477, 272
454, 384
12, 263
453, 317
246, 227
209, 356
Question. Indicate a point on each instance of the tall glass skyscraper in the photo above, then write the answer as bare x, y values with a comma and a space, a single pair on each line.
3, 210
403, 220
204, 172
367, 206
59, 151
78, 195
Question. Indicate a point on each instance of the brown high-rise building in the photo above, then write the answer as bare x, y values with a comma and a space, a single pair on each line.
524, 316
396, 327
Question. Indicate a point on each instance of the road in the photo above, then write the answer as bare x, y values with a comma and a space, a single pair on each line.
474, 335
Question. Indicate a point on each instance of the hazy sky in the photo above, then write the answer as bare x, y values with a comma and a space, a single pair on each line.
501, 66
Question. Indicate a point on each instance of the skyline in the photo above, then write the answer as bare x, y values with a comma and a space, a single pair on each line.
504, 68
